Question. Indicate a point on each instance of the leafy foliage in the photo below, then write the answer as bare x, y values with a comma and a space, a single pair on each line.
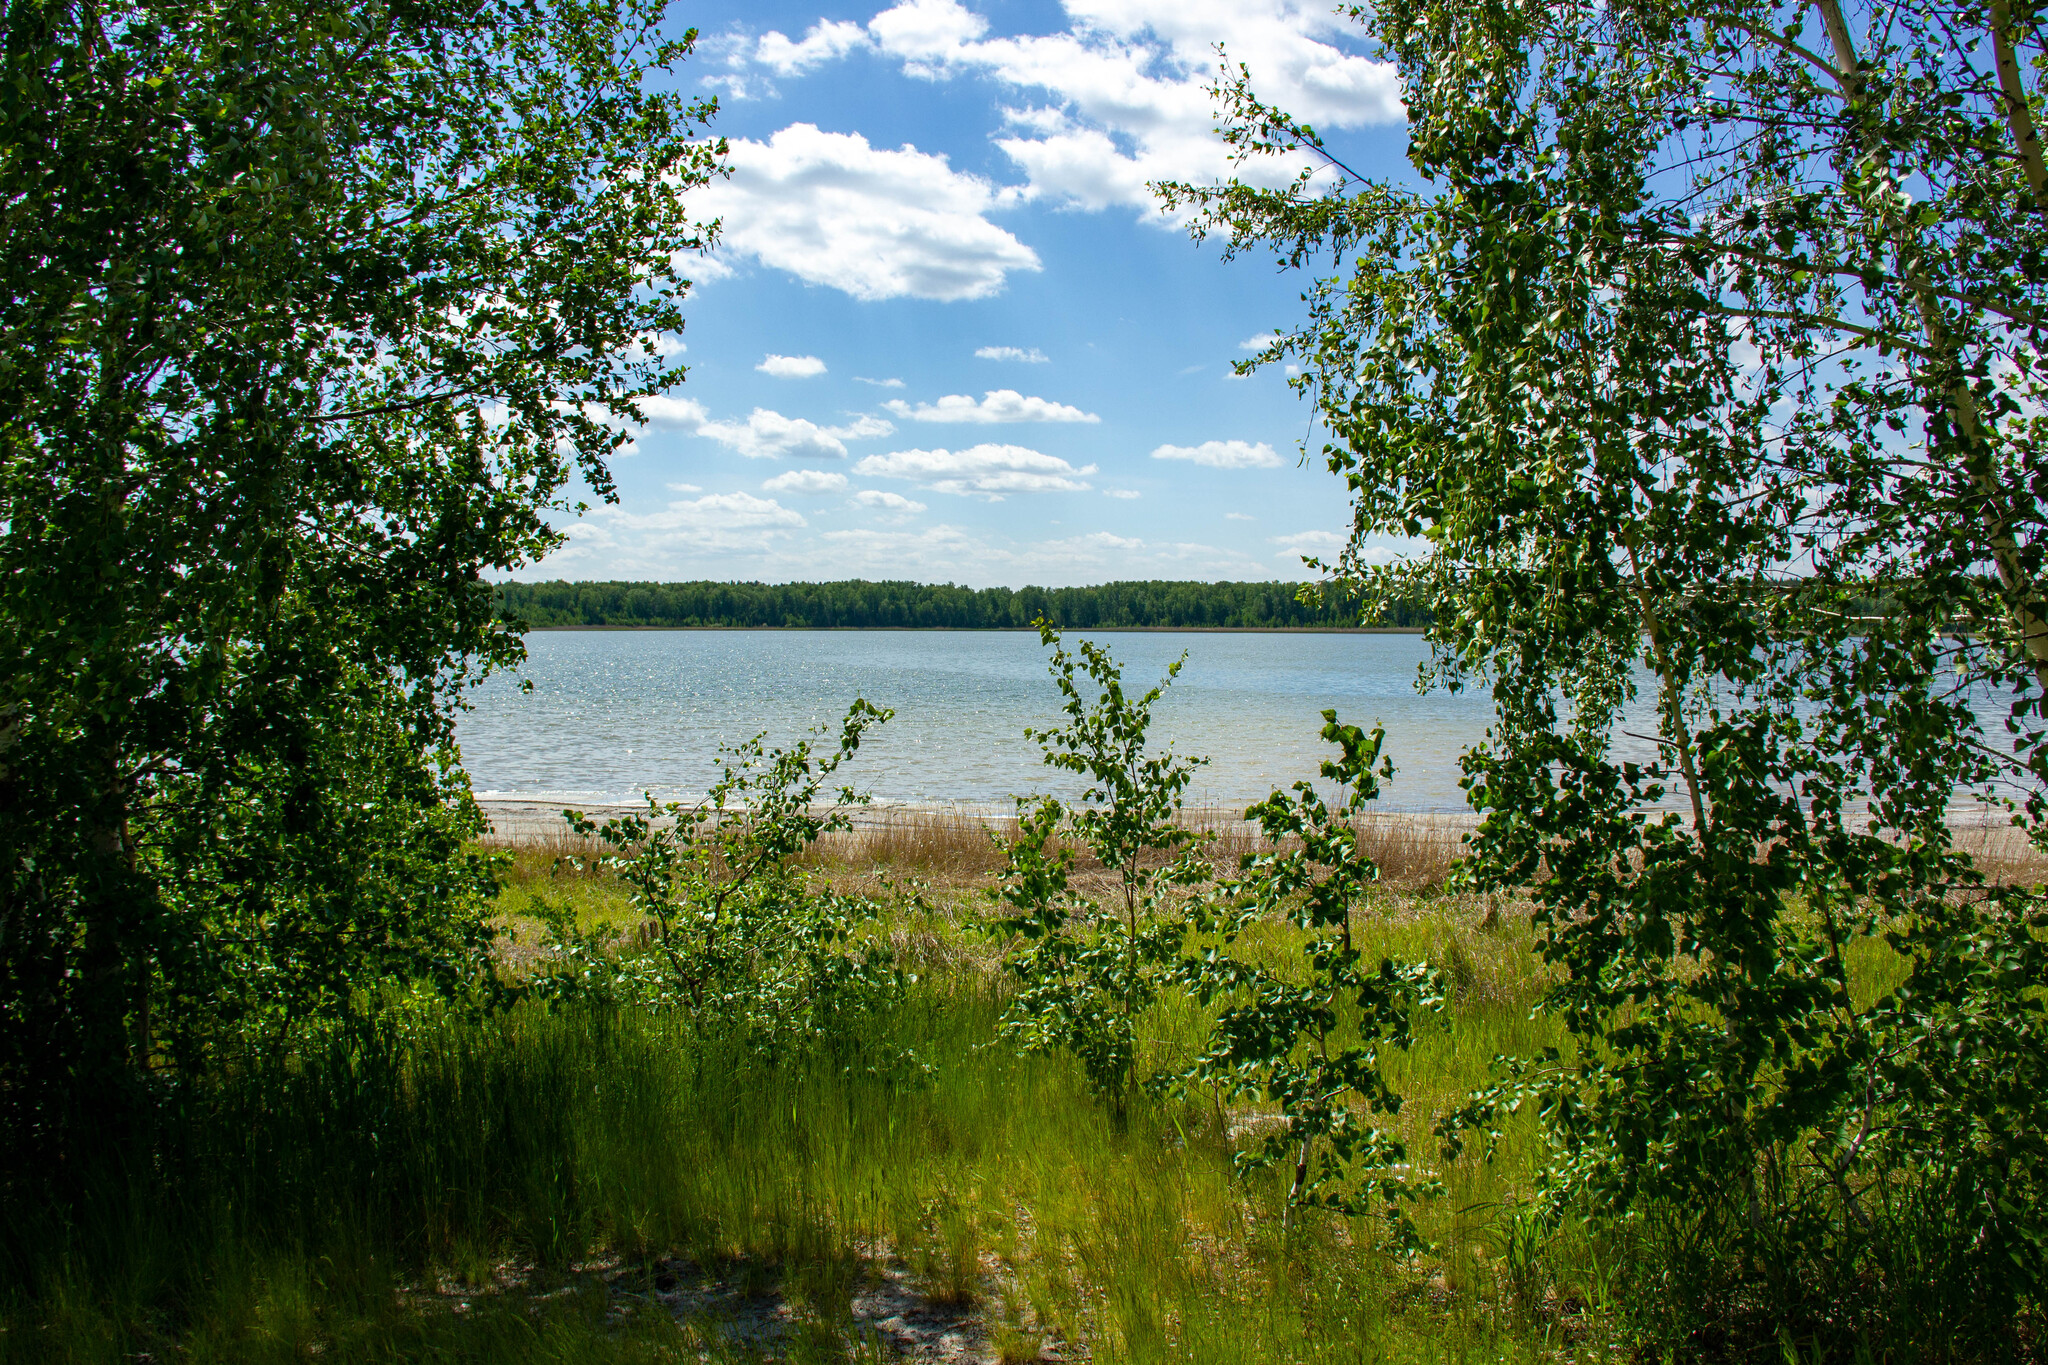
890, 605
309, 315
1695, 343
1087, 968
740, 943
1311, 1040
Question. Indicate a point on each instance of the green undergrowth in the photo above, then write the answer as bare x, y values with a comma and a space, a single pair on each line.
467, 1188
514, 1185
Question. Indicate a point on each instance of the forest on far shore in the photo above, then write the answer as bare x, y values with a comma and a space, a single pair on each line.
858, 603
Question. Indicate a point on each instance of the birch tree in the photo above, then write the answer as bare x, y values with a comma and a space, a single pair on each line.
1700, 360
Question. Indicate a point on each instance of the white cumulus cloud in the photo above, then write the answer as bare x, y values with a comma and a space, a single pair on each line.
768, 435
924, 31
733, 509
988, 471
997, 405
663, 344
864, 427
1034, 356
1223, 455
693, 531
877, 224
880, 383
1318, 543
664, 411
1259, 342
1327, 545
826, 40
939, 552
713, 512
792, 366
806, 481
1121, 493
887, 501
1120, 94
1098, 555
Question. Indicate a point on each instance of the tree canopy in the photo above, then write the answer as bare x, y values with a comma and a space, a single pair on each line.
309, 315
1698, 328
856, 603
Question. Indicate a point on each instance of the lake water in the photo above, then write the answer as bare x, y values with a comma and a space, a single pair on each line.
615, 713
619, 713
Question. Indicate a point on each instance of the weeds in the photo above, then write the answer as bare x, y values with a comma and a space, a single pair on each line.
527, 1178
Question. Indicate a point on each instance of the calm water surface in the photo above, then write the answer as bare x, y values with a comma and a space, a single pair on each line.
615, 713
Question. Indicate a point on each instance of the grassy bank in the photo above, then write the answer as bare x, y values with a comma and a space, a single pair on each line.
584, 1183
578, 1183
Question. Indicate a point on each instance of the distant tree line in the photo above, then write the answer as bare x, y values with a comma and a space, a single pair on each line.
857, 603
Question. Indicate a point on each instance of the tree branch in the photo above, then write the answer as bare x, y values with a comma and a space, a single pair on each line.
2019, 115
1822, 320
1775, 39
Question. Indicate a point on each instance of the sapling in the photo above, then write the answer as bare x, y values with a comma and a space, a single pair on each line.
1088, 968
1311, 1040
739, 937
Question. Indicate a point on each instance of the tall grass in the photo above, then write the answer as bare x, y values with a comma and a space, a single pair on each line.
545, 1184
510, 1187
960, 845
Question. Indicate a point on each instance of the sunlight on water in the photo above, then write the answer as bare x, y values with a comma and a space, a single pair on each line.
613, 713
616, 713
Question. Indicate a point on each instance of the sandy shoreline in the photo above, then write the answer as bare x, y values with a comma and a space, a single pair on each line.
522, 820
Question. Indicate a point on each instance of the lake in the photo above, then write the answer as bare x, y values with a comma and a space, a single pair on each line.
615, 713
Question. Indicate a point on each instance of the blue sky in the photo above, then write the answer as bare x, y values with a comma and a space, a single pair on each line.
949, 336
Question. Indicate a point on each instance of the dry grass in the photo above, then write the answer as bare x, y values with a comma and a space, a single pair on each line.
2005, 855
556, 853
947, 845
957, 846
1414, 851
963, 845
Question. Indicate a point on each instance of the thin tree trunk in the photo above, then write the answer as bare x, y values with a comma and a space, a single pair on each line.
2021, 592
1674, 715
2019, 113
111, 992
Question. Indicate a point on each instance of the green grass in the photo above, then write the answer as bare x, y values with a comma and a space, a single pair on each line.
522, 1187
504, 1189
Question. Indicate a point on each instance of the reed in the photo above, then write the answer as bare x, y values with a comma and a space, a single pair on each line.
1414, 852
552, 852
2003, 854
949, 844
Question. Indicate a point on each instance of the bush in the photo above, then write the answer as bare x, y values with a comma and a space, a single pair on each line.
741, 944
